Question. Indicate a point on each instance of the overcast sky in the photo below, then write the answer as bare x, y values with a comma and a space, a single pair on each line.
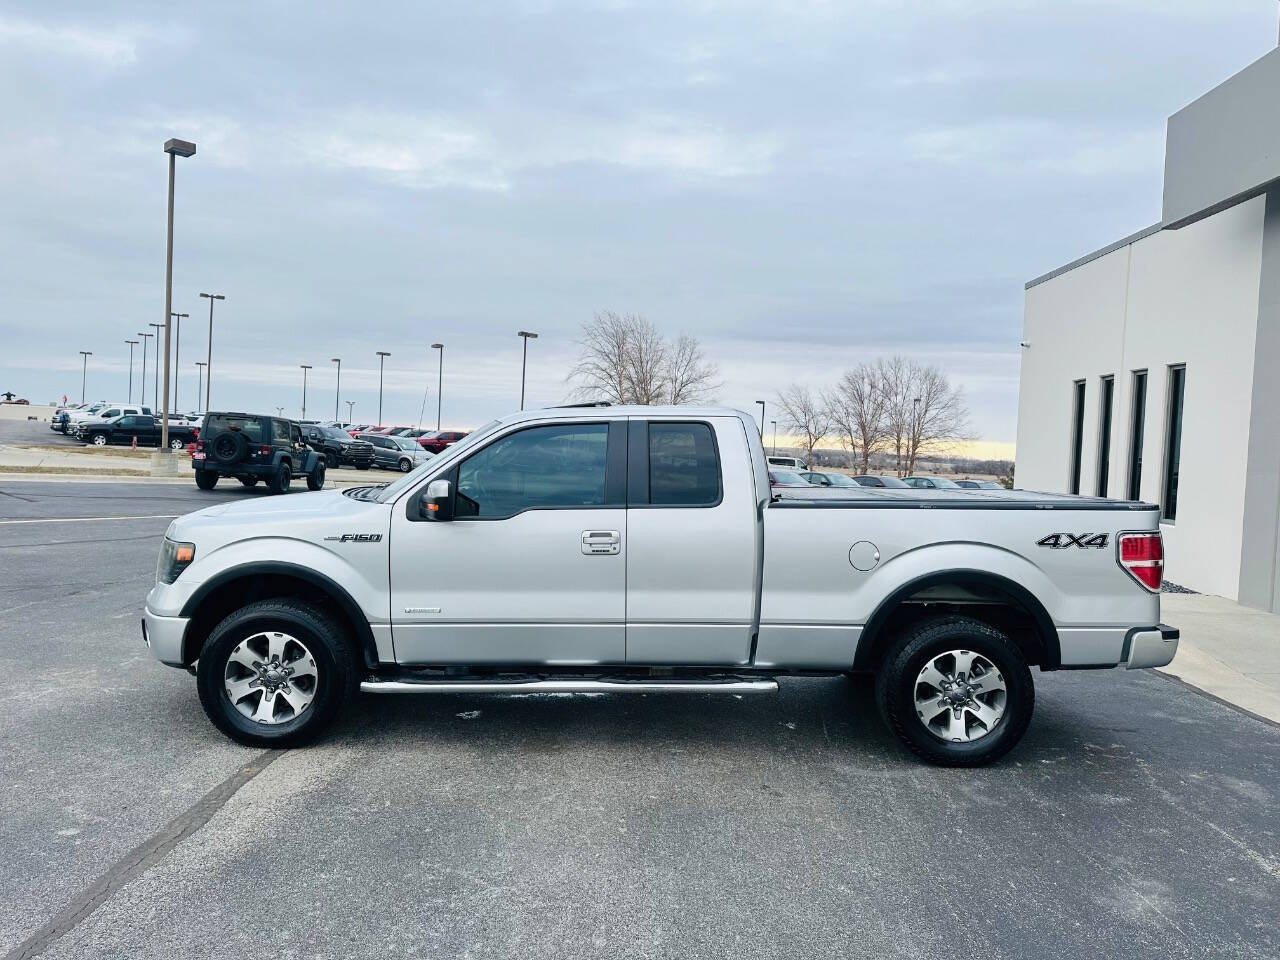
801, 185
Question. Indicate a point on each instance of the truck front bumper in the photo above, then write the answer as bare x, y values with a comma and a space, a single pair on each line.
164, 636
1152, 647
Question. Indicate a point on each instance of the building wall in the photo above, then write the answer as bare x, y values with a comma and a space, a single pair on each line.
1176, 296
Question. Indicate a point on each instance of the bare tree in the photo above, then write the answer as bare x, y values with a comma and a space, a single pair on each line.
625, 359
857, 408
939, 418
805, 413
896, 382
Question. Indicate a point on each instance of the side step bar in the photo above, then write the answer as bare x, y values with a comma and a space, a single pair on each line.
375, 685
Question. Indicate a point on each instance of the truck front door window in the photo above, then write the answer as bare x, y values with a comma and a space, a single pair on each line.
552, 466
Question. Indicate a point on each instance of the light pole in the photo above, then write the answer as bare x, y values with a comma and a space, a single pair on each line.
177, 347
200, 365
774, 451
382, 357
337, 390
142, 393
761, 402
84, 372
208, 360
155, 403
174, 148
524, 361
305, 367
132, 344
439, 382
350, 408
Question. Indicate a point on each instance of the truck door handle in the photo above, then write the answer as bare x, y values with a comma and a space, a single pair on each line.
601, 543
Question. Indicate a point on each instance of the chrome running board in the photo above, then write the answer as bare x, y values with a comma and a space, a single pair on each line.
734, 685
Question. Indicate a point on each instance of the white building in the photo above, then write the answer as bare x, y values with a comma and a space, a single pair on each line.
1151, 368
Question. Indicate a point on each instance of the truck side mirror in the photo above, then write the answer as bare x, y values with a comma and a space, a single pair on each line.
437, 501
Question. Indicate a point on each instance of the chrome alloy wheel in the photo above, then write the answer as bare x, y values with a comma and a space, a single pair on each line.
270, 677
960, 696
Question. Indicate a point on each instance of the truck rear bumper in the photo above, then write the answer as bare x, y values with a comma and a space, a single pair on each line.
164, 636
1152, 647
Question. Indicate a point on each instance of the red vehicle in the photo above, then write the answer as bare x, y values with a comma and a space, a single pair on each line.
437, 440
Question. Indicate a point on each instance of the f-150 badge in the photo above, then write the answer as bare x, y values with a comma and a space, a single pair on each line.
357, 538
1062, 541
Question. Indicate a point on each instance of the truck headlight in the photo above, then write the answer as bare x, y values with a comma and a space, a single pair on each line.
174, 558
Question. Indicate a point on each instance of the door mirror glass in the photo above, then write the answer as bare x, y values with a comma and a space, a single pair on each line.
437, 502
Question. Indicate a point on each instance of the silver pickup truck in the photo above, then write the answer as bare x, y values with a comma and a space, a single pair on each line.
641, 549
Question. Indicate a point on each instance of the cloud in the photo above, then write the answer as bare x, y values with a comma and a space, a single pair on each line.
109, 46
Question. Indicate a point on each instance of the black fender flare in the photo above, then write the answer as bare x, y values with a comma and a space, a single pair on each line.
262, 568
867, 650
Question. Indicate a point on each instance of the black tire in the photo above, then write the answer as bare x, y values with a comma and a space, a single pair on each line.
362, 466
335, 659
896, 686
315, 479
228, 447
248, 481
280, 482
405, 464
206, 479
332, 461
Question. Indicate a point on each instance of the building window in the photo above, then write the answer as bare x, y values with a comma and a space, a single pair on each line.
1136, 427
1077, 433
1173, 442
1104, 433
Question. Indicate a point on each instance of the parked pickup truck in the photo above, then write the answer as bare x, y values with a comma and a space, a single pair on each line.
641, 549
136, 426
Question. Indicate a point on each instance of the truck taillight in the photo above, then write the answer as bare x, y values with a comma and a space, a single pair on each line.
264, 449
1142, 556
199, 444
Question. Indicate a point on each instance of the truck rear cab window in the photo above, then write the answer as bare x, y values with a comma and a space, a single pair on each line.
684, 468
543, 467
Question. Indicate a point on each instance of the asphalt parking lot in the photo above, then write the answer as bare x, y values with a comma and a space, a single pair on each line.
1137, 818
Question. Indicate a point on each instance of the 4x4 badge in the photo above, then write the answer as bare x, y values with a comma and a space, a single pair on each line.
1061, 541
357, 538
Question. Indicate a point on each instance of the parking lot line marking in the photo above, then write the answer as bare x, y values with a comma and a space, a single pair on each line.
140, 859
150, 516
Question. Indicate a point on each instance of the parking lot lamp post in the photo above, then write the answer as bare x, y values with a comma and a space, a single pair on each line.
524, 361
350, 408
761, 402
337, 389
305, 368
774, 451
208, 360
132, 344
174, 148
439, 381
84, 372
177, 347
382, 357
155, 403
142, 391
200, 365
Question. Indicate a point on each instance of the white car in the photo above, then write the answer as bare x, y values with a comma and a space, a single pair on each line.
623, 549
788, 463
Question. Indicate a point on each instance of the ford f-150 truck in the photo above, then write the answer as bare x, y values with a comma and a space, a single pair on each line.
604, 548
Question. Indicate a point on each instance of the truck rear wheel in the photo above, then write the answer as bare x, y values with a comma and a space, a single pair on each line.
206, 479
280, 482
956, 691
276, 673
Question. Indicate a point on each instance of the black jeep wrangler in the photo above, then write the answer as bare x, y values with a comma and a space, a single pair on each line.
250, 448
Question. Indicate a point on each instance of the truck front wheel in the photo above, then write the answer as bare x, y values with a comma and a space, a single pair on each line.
956, 691
276, 673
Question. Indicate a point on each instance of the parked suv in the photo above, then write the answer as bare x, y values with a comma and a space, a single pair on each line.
338, 447
437, 440
136, 426
250, 448
395, 453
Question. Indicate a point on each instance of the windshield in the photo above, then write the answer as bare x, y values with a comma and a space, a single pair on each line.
393, 490
405, 444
